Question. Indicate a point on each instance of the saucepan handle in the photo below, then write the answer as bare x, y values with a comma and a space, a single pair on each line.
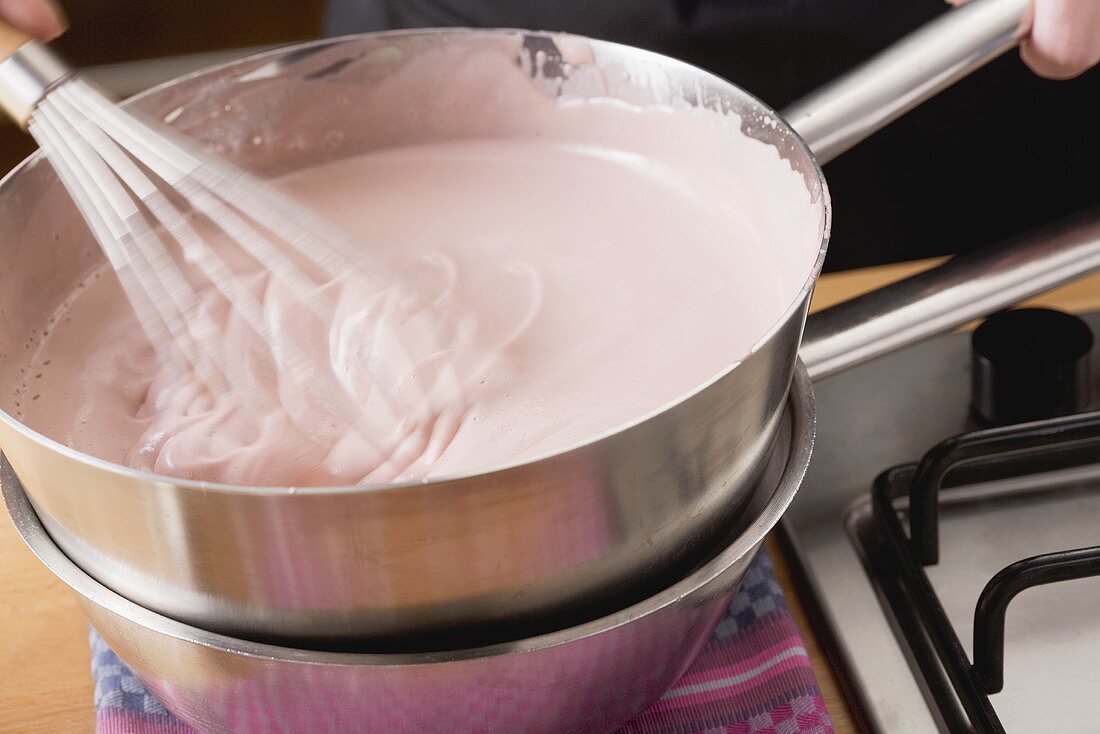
964, 288
852, 107
844, 112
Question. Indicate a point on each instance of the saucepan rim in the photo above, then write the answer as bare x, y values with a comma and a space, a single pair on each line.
801, 411
38, 158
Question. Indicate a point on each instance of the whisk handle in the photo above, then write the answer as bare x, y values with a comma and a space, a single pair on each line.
27, 71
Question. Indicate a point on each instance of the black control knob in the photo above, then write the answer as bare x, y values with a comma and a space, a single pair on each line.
1029, 364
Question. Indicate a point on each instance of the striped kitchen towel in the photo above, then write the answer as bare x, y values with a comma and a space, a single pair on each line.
753, 677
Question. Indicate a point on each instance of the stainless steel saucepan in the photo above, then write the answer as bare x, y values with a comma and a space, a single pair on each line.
512, 550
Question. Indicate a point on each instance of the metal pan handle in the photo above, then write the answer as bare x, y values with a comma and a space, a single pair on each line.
849, 109
846, 111
964, 288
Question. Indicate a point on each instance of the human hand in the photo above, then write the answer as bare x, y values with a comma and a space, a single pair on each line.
1063, 39
41, 19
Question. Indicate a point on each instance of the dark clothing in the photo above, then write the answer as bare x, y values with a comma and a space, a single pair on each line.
1001, 152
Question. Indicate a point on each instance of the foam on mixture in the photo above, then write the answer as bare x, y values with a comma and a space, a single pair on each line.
588, 262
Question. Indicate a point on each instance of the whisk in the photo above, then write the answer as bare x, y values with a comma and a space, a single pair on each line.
128, 179
142, 188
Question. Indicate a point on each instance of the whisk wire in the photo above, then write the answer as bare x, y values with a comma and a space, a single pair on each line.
178, 164
109, 235
173, 163
129, 226
168, 168
143, 189
172, 220
189, 323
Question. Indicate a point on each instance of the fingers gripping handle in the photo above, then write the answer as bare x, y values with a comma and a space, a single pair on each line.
11, 38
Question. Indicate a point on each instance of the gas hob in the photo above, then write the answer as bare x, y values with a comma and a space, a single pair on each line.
898, 597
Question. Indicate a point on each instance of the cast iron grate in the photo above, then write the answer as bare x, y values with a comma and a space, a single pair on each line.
979, 456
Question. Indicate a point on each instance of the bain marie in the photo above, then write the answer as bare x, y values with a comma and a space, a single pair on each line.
587, 263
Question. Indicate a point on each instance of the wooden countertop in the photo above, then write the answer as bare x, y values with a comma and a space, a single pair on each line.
44, 662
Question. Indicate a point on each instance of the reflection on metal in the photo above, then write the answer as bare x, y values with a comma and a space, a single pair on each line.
131, 77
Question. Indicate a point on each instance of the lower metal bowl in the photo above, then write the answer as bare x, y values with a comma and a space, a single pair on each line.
589, 678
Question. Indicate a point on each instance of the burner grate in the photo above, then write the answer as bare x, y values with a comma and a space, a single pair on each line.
967, 459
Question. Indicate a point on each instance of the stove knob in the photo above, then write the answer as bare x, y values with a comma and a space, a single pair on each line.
1029, 364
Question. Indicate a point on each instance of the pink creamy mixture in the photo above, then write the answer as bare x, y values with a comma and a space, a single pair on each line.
592, 265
